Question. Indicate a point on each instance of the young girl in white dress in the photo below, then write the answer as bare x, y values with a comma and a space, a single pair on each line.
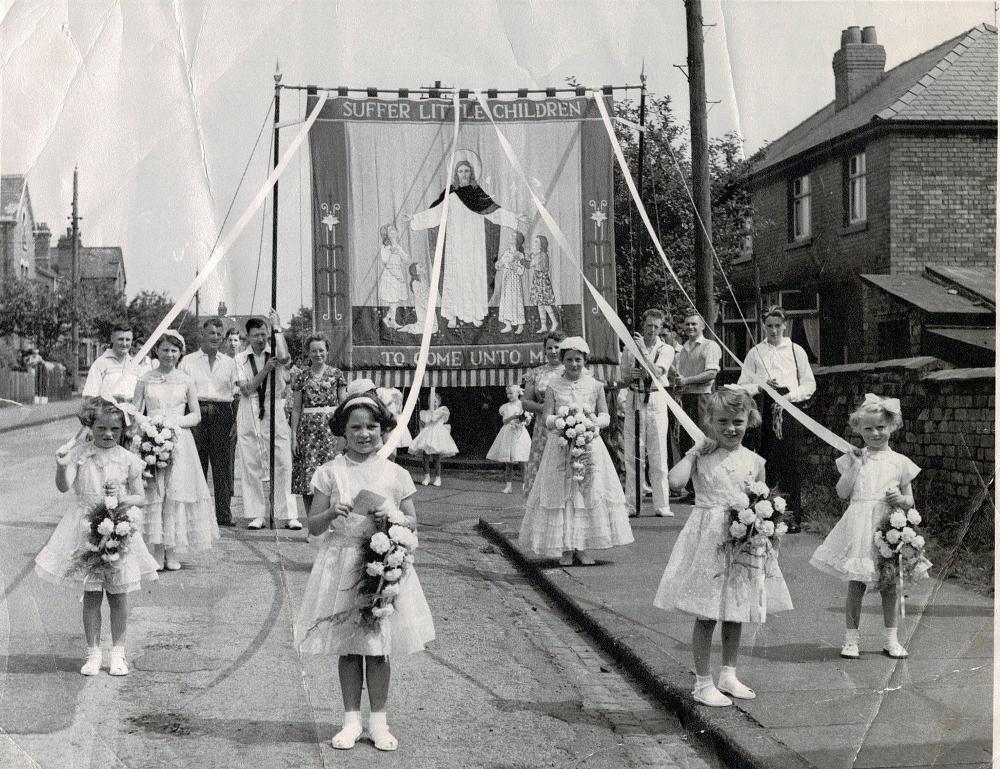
179, 514
434, 439
95, 470
565, 517
875, 479
513, 444
698, 579
510, 268
392, 281
327, 620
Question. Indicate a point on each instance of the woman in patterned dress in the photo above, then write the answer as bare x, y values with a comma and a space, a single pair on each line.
317, 391
536, 382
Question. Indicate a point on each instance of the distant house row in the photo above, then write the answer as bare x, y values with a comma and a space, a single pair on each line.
875, 218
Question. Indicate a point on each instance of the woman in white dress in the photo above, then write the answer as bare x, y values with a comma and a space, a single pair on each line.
563, 516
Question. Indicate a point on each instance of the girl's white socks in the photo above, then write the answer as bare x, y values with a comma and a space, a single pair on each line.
346, 737
379, 731
852, 636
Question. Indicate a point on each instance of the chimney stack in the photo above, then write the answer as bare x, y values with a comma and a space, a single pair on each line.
43, 241
857, 65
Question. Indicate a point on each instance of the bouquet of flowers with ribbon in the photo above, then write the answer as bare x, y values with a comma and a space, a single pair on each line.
387, 556
899, 550
154, 442
755, 522
109, 528
577, 428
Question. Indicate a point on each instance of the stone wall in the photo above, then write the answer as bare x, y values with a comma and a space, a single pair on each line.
948, 430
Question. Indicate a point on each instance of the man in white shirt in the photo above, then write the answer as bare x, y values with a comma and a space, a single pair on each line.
109, 376
253, 425
695, 369
214, 375
785, 367
648, 406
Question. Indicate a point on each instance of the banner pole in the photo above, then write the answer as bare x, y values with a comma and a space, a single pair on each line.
274, 292
637, 269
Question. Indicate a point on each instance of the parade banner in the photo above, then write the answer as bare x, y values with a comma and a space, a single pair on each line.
378, 169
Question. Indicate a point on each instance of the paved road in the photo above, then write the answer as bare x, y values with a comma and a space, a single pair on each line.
216, 681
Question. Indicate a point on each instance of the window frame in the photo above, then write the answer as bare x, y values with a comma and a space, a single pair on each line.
800, 208
856, 181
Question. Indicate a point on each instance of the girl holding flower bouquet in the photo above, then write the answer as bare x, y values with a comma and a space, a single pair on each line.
576, 502
706, 577
363, 600
877, 481
105, 478
512, 444
179, 514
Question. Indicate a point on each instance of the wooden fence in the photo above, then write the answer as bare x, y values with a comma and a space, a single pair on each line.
23, 386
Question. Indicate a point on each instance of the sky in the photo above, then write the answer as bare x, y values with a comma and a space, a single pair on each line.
159, 103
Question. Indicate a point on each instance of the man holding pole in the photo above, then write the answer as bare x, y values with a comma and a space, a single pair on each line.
646, 416
254, 366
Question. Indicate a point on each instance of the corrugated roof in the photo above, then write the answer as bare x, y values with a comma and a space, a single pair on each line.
12, 188
100, 262
985, 338
954, 81
926, 295
976, 280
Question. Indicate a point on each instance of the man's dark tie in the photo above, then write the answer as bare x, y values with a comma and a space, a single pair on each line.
263, 385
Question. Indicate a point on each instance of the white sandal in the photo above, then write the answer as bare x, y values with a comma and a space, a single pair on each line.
117, 665
92, 666
711, 696
346, 737
735, 688
896, 651
382, 738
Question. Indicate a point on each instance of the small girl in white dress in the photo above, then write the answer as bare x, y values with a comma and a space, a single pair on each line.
392, 282
434, 439
513, 444
875, 479
510, 268
698, 579
327, 621
179, 514
96, 470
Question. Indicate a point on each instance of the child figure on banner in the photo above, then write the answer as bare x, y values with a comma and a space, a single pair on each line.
513, 444
100, 472
699, 578
421, 296
510, 268
876, 480
434, 439
541, 293
576, 503
392, 282
179, 513
363, 505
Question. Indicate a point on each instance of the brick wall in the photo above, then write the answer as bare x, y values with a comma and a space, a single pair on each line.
943, 201
948, 430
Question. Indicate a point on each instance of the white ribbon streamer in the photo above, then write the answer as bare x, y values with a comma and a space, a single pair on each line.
431, 315
821, 432
609, 314
227, 242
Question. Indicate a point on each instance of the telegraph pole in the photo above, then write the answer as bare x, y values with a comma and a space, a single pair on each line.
274, 292
701, 182
74, 333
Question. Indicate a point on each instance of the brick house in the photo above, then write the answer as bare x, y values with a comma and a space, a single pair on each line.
17, 229
99, 265
897, 175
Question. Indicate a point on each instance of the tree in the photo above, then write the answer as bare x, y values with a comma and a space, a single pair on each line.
148, 308
37, 313
299, 327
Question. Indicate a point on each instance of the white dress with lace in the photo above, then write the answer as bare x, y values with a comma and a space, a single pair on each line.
700, 578
435, 436
562, 514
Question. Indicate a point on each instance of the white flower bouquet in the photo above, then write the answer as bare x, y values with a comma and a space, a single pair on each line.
387, 556
899, 549
577, 429
154, 441
109, 528
755, 522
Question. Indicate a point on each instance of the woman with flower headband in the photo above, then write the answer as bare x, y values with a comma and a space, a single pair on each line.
355, 494
98, 470
875, 479
571, 511
179, 513
699, 579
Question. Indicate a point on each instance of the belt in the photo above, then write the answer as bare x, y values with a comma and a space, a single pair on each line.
214, 403
319, 410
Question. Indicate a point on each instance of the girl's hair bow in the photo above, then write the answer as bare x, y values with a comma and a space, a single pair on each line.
126, 407
891, 405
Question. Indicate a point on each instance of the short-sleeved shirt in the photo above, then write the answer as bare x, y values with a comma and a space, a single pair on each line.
697, 357
109, 377
376, 474
215, 383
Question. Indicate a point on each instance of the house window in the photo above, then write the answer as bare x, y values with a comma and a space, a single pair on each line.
801, 205
735, 332
857, 189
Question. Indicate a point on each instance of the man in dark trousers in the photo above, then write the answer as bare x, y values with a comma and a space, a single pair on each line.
214, 375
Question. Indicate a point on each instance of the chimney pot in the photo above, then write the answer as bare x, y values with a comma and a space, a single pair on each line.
853, 35
868, 36
858, 64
